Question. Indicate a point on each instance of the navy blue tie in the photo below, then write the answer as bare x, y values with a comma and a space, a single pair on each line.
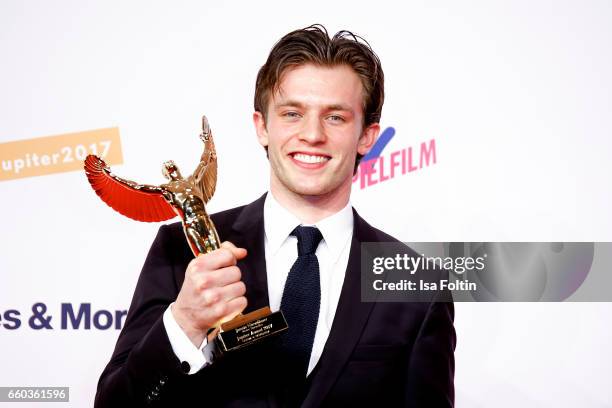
301, 300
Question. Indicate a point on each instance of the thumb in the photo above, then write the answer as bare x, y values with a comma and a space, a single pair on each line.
239, 253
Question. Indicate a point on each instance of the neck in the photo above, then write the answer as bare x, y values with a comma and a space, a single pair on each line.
311, 209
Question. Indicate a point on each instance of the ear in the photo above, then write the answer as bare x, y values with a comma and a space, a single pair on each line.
260, 127
368, 138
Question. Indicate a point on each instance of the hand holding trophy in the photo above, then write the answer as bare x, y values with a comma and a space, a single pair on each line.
186, 197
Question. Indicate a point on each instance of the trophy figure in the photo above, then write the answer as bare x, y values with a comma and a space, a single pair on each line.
185, 197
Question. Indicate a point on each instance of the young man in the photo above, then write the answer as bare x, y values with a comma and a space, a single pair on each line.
317, 106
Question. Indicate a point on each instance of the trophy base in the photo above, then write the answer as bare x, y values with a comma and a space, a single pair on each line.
245, 330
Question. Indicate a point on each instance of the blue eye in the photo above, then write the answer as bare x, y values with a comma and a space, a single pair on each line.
336, 118
291, 114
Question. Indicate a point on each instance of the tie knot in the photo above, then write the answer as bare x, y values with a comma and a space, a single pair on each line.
308, 239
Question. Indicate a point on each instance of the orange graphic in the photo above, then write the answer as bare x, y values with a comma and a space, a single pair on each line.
58, 153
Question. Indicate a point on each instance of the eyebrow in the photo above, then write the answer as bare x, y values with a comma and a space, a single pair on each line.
296, 104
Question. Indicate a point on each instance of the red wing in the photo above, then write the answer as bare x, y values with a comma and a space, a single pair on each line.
139, 202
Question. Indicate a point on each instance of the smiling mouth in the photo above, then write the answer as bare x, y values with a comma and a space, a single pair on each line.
309, 158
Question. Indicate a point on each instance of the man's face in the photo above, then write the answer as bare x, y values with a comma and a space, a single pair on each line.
314, 130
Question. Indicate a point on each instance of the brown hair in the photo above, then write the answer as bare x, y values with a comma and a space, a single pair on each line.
312, 45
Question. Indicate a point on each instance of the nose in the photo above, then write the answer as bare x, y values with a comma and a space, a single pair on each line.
312, 131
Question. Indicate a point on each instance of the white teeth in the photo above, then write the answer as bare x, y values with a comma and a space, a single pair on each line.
306, 158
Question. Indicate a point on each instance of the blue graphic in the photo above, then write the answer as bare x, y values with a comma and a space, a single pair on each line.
384, 138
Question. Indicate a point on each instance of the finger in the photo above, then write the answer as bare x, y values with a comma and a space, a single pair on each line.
220, 277
217, 259
234, 307
192, 266
233, 291
217, 297
239, 253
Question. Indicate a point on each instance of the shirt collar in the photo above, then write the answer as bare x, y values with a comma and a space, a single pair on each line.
279, 222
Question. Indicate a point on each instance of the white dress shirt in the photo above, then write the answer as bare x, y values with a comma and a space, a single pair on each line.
281, 252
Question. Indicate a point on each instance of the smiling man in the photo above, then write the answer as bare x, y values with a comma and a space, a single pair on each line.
313, 126
318, 102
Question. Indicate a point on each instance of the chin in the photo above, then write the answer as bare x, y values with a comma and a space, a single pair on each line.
313, 190
309, 191
313, 186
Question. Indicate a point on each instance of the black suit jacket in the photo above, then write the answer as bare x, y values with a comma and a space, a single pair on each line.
388, 354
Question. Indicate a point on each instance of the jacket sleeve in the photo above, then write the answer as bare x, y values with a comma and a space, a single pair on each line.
431, 369
143, 362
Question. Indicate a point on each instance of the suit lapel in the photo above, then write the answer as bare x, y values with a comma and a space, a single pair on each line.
351, 314
248, 232
349, 320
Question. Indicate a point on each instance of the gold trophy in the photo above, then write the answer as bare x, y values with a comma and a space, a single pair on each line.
185, 197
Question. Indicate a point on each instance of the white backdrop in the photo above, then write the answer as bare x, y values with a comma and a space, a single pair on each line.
517, 96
